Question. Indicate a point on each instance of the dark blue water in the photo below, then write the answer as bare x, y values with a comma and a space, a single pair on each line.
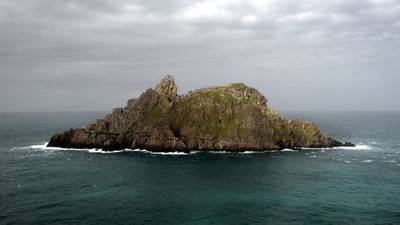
340, 186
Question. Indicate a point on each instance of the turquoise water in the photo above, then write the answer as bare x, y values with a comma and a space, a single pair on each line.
358, 185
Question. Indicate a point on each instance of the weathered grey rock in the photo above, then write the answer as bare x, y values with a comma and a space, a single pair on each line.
167, 87
232, 117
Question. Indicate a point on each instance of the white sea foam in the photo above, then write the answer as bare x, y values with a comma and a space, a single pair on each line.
257, 152
367, 161
100, 151
90, 150
357, 147
158, 153
40, 146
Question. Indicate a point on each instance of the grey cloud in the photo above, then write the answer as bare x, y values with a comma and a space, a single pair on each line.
94, 55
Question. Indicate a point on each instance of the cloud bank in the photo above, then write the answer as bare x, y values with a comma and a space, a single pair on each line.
303, 55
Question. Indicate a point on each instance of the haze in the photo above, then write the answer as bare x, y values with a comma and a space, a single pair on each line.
60, 55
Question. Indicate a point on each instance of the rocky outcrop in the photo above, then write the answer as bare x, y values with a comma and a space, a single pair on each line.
232, 117
167, 88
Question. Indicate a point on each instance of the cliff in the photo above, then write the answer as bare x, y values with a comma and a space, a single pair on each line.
232, 117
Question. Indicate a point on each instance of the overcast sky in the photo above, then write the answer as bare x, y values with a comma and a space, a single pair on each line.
303, 55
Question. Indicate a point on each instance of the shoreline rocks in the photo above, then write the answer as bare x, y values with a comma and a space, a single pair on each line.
231, 117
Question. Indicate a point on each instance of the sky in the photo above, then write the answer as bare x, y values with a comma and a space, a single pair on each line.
82, 55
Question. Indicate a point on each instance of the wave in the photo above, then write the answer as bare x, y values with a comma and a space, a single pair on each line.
158, 153
357, 147
256, 152
100, 151
367, 161
90, 150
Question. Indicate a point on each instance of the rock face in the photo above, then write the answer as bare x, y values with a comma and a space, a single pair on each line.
232, 117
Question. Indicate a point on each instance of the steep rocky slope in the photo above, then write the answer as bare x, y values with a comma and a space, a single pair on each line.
232, 117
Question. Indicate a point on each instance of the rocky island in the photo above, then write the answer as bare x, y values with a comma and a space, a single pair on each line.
233, 117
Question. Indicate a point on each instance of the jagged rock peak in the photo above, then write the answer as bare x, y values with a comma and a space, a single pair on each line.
167, 87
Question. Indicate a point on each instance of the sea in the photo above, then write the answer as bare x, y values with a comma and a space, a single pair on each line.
350, 185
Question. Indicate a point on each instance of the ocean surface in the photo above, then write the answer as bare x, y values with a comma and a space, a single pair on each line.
359, 185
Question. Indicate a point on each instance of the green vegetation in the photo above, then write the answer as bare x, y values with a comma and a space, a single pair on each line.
230, 123
154, 115
235, 109
238, 85
238, 92
157, 113
218, 95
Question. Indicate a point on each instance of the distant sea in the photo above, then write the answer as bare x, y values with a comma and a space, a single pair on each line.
359, 185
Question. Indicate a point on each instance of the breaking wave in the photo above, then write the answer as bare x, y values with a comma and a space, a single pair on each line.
357, 147
100, 151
